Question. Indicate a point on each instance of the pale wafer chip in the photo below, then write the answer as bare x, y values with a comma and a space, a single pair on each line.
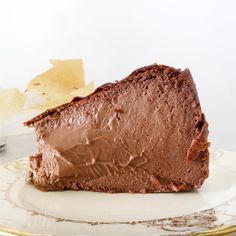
74, 66
54, 87
58, 85
62, 79
81, 92
11, 102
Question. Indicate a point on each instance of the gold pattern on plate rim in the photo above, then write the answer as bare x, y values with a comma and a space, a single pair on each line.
10, 232
217, 231
208, 219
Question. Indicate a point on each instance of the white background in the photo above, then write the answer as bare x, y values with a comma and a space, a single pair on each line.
115, 37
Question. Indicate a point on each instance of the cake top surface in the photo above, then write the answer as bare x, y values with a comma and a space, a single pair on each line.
156, 69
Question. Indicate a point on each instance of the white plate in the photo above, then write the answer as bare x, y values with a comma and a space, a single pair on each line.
24, 209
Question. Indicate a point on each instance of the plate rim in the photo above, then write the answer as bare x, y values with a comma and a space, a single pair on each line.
218, 230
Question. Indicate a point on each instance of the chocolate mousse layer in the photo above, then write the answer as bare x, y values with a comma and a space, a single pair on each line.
145, 133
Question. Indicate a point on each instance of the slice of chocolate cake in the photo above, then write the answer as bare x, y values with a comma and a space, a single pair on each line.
146, 133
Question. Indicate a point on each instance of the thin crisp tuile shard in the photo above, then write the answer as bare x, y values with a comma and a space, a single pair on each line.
51, 88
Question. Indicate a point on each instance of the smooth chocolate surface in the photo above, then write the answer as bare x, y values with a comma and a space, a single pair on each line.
145, 133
